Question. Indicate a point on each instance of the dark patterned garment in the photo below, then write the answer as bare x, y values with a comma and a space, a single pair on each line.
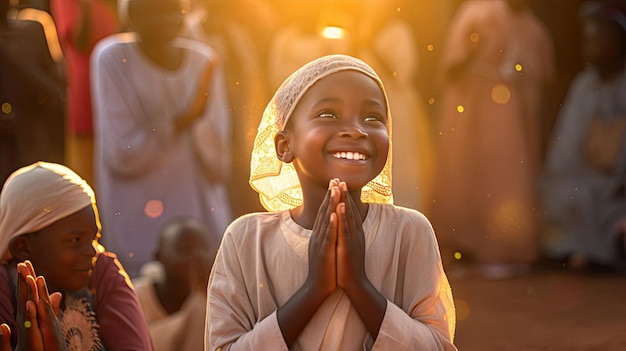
78, 322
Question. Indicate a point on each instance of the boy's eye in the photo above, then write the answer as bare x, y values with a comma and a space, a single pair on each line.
73, 240
373, 118
327, 115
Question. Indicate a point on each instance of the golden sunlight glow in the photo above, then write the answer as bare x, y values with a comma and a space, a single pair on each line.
332, 32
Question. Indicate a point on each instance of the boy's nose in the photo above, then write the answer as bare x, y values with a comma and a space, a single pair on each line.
353, 130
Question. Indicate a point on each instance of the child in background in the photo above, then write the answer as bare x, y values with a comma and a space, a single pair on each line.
334, 265
48, 216
586, 159
172, 292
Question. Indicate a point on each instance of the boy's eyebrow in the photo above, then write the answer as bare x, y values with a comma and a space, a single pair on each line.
333, 99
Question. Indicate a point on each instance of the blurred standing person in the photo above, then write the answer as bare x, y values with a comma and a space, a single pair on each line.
583, 180
496, 64
229, 28
162, 131
387, 42
31, 96
80, 25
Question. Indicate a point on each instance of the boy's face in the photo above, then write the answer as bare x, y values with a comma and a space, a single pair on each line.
339, 129
64, 251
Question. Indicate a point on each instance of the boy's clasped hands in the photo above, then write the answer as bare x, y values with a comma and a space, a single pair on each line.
337, 246
37, 310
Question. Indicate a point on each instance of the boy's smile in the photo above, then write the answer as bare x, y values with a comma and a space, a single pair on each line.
339, 129
349, 155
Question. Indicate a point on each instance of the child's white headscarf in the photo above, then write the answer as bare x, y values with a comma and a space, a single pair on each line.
277, 182
36, 196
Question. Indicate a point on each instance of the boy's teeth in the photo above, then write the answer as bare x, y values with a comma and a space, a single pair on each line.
349, 155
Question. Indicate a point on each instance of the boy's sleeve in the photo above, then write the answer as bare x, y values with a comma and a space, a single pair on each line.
122, 325
231, 322
424, 318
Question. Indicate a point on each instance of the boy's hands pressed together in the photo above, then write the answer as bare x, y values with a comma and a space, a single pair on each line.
322, 256
350, 244
38, 326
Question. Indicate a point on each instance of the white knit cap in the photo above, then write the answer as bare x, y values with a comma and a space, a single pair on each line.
36, 196
277, 182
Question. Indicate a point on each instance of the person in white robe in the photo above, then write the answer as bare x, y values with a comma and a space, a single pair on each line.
162, 129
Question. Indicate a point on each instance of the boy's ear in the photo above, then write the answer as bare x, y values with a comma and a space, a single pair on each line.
282, 142
19, 248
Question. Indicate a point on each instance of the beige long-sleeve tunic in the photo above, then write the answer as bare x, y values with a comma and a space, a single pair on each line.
262, 262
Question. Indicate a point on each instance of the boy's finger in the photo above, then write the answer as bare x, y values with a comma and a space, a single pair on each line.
30, 267
5, 337
42, 289
55, 301
32, 326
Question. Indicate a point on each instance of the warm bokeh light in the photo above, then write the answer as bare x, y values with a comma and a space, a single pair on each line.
474, 37
332, 32
500, 94
7, 108
457, 255
430, 47
518, 67
153, 208
431, 101
460, 109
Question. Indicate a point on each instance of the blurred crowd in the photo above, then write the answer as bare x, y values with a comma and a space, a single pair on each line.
511, 115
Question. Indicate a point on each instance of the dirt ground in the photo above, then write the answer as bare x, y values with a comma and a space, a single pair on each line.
551, 308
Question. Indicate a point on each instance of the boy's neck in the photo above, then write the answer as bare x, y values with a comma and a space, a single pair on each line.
306, 214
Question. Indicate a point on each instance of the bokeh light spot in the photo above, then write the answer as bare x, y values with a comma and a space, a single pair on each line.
474, 37
332, 32
460, 109
7, 108
500, 94
457, 255
431, 101
518, 67
153, 208
430, 47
